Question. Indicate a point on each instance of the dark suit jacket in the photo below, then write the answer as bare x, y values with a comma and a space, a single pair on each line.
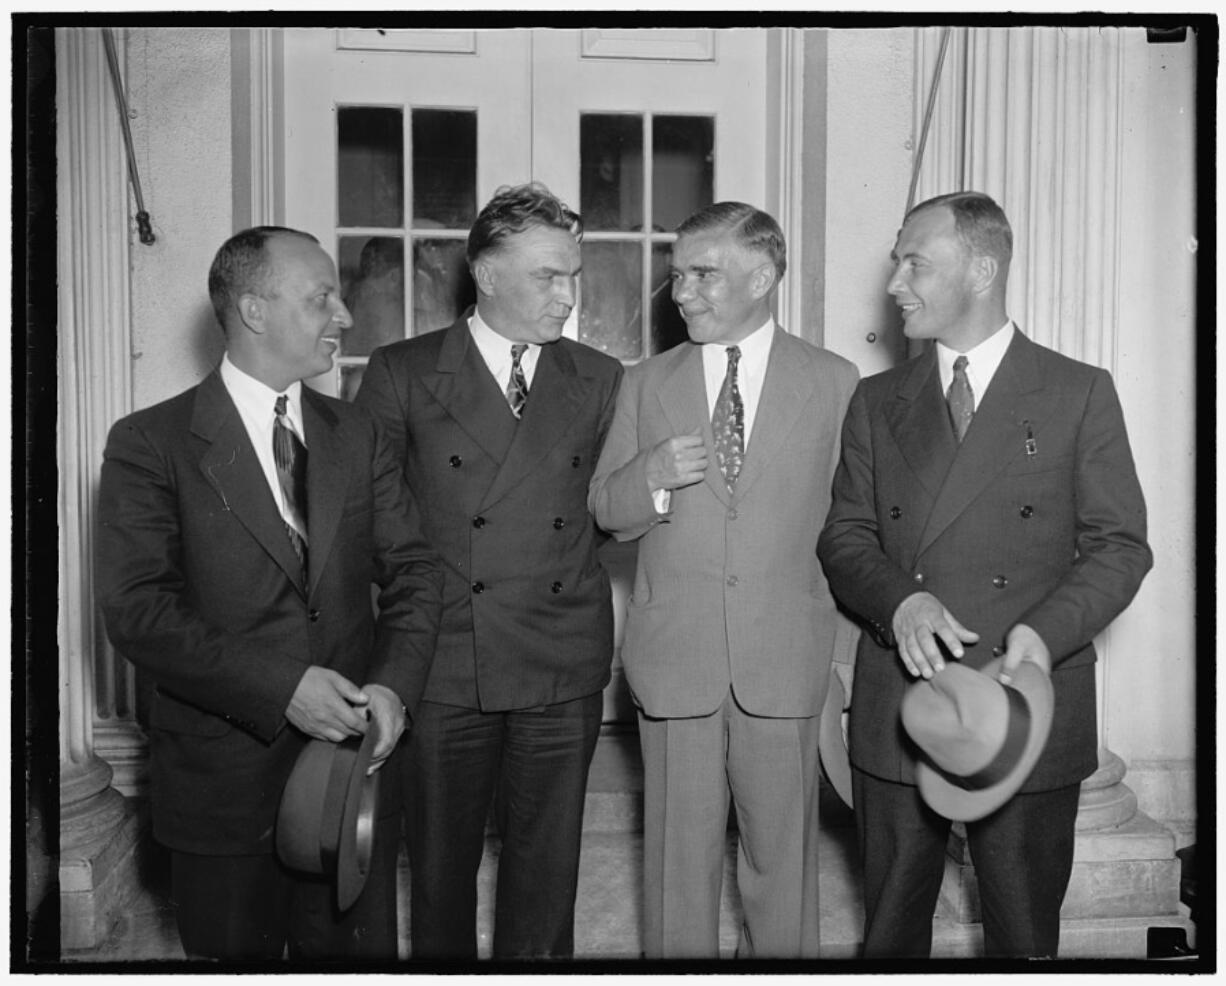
1053, 539
527, 610
200, 588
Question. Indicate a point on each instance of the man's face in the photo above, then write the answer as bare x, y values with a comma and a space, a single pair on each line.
304, 312
719, 286
932, 281
529, 283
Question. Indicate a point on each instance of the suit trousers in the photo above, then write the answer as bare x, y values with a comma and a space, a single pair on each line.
768, 768
245, 908
532, 765
1023, 858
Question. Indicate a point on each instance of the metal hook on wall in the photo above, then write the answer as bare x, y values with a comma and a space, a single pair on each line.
121, 100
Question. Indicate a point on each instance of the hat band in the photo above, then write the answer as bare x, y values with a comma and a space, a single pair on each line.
1017, 730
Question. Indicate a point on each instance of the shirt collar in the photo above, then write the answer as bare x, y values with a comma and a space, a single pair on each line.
257, 400
982, 359
495, 349
755, 347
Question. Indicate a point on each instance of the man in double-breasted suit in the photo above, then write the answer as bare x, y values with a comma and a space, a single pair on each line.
498, 422
986, 504
719, 464
245, 595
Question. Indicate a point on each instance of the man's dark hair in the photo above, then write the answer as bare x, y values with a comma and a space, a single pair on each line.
514, 209
981, 224
754, 229
242, 266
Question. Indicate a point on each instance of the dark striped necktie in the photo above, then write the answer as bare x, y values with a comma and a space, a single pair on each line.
961, 399
290, 456
517, 386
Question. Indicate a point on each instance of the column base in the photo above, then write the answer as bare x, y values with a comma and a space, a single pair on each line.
98, 880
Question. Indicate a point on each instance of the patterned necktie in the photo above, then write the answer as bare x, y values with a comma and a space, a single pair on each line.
961, 399
517, 386
290, 456
728, 423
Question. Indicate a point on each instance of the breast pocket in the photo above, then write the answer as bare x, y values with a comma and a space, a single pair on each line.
1038, 510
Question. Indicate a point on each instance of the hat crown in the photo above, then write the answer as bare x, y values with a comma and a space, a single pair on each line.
959, 718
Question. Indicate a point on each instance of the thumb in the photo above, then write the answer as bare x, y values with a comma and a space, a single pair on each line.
695, 433
349, 691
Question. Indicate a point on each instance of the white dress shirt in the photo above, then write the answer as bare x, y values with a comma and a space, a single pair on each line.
750, 375
982, 361
256, 405
496, 351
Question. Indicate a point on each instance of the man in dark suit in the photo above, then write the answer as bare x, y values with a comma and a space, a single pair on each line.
986, 504
242, 525
719, 464
498, 422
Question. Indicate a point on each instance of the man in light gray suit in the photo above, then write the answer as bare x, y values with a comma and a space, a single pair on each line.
719, 461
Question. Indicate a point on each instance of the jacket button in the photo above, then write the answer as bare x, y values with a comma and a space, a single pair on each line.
1026, 511
455, 462
895, 513
998, 652
1000, 582
574, 463
732, 514
558, 523
733, 580
556, 587
478, 522
478, 588
919, 577
313, 616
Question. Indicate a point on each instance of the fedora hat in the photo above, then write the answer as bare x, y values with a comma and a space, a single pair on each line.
326, 820
832, 738
980, 738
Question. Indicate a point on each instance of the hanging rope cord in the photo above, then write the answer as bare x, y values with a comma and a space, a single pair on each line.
932, 98
121, 100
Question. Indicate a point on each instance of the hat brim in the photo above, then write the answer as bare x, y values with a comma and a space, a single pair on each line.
832, 740
326, 819
947, 797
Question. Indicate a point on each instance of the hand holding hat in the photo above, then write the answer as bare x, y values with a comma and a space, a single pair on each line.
980, 737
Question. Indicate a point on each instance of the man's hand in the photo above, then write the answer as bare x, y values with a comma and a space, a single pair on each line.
676, 462
1023, 644
388, 712
918, 621
327, 705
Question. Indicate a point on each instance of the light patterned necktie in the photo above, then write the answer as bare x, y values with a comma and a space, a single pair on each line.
728, 423
517, 386
290, 456
961, 399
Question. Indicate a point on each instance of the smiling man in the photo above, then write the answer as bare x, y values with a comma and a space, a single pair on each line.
986, 506
498, 421
243, 524
719, 463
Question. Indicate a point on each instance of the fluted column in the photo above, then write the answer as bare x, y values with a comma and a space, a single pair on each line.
93, 390
1031, 116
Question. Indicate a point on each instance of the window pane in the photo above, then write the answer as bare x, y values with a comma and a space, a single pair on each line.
444, 169
667, 326
682, 157
611, 318
370, 166
611, 171
442, 286
372, 284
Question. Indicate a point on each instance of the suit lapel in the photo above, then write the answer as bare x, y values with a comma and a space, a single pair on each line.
464, 386
328, 478
556, 394
786, 391
232, 469
1014, 402
683, 397
918, 418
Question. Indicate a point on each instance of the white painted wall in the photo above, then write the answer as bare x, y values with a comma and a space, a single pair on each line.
179, 90
868, 169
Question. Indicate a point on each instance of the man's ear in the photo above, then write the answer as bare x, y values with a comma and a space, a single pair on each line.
983, 273
763, 280
483, 276
251, 312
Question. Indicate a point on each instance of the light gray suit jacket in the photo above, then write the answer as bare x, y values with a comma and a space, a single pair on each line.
728, 590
